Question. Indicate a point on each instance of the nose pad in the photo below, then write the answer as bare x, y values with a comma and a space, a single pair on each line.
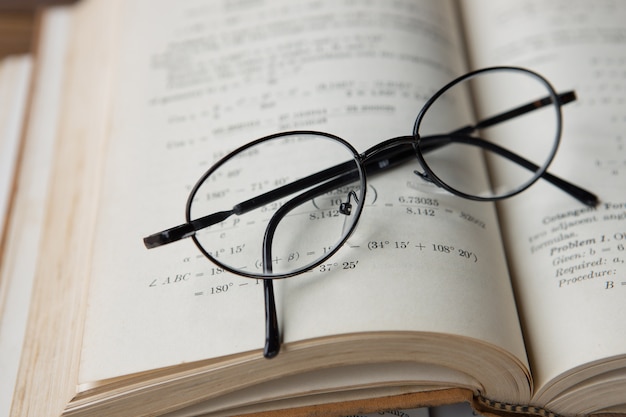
346, 208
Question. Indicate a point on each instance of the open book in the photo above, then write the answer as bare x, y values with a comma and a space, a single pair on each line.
151, 93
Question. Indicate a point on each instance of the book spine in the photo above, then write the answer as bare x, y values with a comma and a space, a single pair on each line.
490, 407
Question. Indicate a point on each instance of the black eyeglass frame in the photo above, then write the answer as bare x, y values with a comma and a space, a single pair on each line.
392, 152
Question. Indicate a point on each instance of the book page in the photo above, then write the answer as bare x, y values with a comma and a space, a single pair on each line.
195, 81
568, 260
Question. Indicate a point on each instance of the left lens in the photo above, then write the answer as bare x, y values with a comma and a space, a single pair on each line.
286, 193
501, 147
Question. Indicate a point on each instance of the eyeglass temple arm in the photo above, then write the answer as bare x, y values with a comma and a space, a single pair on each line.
386, 159
184, 230
272, 331
575, 191
563, 98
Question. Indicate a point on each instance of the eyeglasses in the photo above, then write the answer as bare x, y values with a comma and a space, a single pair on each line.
283, 204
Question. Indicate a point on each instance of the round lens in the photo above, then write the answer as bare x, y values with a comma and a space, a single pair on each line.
280, 205
490, 134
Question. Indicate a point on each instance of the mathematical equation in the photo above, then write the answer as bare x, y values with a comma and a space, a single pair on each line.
437, 248
204, 278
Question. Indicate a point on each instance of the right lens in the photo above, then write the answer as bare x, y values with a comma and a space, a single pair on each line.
285, 190
515, 132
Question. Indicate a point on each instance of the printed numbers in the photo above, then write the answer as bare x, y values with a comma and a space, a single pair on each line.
424, 201
347, 265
